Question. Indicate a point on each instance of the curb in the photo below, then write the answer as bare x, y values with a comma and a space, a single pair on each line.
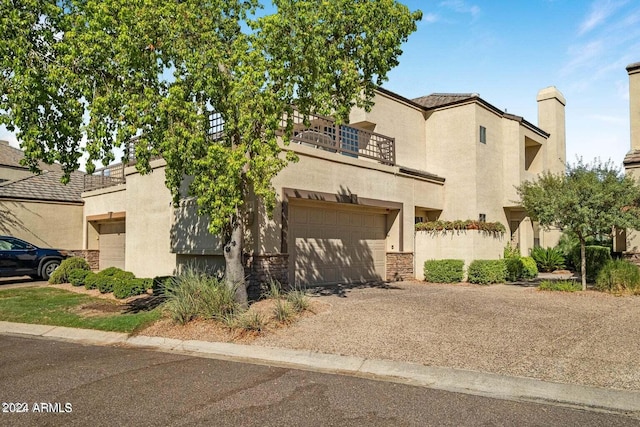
447, 379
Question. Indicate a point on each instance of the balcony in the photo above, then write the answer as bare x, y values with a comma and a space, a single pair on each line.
323, 133
105, 177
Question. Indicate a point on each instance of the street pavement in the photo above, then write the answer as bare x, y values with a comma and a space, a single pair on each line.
437, 378
82, 384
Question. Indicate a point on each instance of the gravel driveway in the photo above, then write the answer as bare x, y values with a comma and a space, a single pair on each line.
585, 338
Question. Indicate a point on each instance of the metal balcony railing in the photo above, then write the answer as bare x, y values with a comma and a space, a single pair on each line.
323, 133
105, 177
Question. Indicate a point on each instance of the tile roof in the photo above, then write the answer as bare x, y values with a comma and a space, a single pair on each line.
440, 99
11, 156
632, 157
46, 186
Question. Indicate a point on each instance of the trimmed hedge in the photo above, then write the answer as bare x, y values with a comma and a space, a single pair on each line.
124, 288
530, 269
61, 274
596, 256
106, 279
77, 276
619, 276
444, 270
484, 272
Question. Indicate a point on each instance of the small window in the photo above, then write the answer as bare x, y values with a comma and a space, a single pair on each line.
419, 219
483, 134
482, 218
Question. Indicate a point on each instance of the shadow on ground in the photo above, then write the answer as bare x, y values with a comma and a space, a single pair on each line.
342, 289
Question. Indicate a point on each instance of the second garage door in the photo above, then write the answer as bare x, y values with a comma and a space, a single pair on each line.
333, 245
112, 245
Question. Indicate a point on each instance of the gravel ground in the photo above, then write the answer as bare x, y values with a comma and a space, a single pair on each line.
585, 338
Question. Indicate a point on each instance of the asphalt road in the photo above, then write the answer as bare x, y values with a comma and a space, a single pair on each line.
91, 385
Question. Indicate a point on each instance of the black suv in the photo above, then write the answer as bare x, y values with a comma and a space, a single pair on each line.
20, 258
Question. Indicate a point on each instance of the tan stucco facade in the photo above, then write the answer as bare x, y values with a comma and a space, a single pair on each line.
629, 242
456, 162
46, 224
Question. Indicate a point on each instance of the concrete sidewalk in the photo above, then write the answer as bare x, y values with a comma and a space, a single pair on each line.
448, 379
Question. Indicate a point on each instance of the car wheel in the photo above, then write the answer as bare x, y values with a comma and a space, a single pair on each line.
48, 268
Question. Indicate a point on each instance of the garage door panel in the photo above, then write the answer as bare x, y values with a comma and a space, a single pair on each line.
111, 243
351, 251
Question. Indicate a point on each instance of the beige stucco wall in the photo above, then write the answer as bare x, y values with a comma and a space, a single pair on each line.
149, 216
466, 245
10, 174
54, 225
100, 202
401, 121
551, 118
330, 173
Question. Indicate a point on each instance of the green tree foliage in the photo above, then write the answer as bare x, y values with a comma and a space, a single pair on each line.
588, 200
160, 70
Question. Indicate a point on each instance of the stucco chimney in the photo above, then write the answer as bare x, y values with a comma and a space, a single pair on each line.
551, 105
634, 104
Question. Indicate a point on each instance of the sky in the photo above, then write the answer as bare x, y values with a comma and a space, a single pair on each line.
507, 50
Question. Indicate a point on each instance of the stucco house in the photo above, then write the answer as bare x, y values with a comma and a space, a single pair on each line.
628, 242
38, 208
347, 210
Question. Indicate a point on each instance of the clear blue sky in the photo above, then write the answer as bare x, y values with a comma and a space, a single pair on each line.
506, 50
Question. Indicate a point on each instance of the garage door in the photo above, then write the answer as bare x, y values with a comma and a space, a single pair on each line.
112, 245
330, 245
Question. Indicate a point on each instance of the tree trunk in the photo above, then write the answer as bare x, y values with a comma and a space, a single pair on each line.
234, 269
583, 264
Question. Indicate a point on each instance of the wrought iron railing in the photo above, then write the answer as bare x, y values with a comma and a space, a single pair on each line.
105, 177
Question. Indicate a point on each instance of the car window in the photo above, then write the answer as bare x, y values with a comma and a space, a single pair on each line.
12, 244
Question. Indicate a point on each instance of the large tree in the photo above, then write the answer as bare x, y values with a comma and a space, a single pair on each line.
588, 200
88, 75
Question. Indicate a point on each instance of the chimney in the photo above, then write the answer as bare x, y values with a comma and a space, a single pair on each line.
634, 104
551, 104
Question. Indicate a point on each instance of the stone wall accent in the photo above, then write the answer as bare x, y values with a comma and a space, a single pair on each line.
91, 255
400, 266
260, 269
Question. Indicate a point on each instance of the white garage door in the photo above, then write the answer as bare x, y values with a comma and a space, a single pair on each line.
112, 245
329, 245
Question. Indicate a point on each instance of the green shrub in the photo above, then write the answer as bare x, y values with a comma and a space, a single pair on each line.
159, 283
560, 285
77, 276
91, 281
249, 321
444, 270
548, 259
596, 257
193, 294
107, 280
61, 274
619, 276
515, 268
124, 288
529, 268
484, 272
511, 251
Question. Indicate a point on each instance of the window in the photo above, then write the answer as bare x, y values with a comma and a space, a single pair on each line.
483, 134
482, 217
419, 219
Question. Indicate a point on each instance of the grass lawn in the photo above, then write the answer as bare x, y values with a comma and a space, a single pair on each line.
50, 306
